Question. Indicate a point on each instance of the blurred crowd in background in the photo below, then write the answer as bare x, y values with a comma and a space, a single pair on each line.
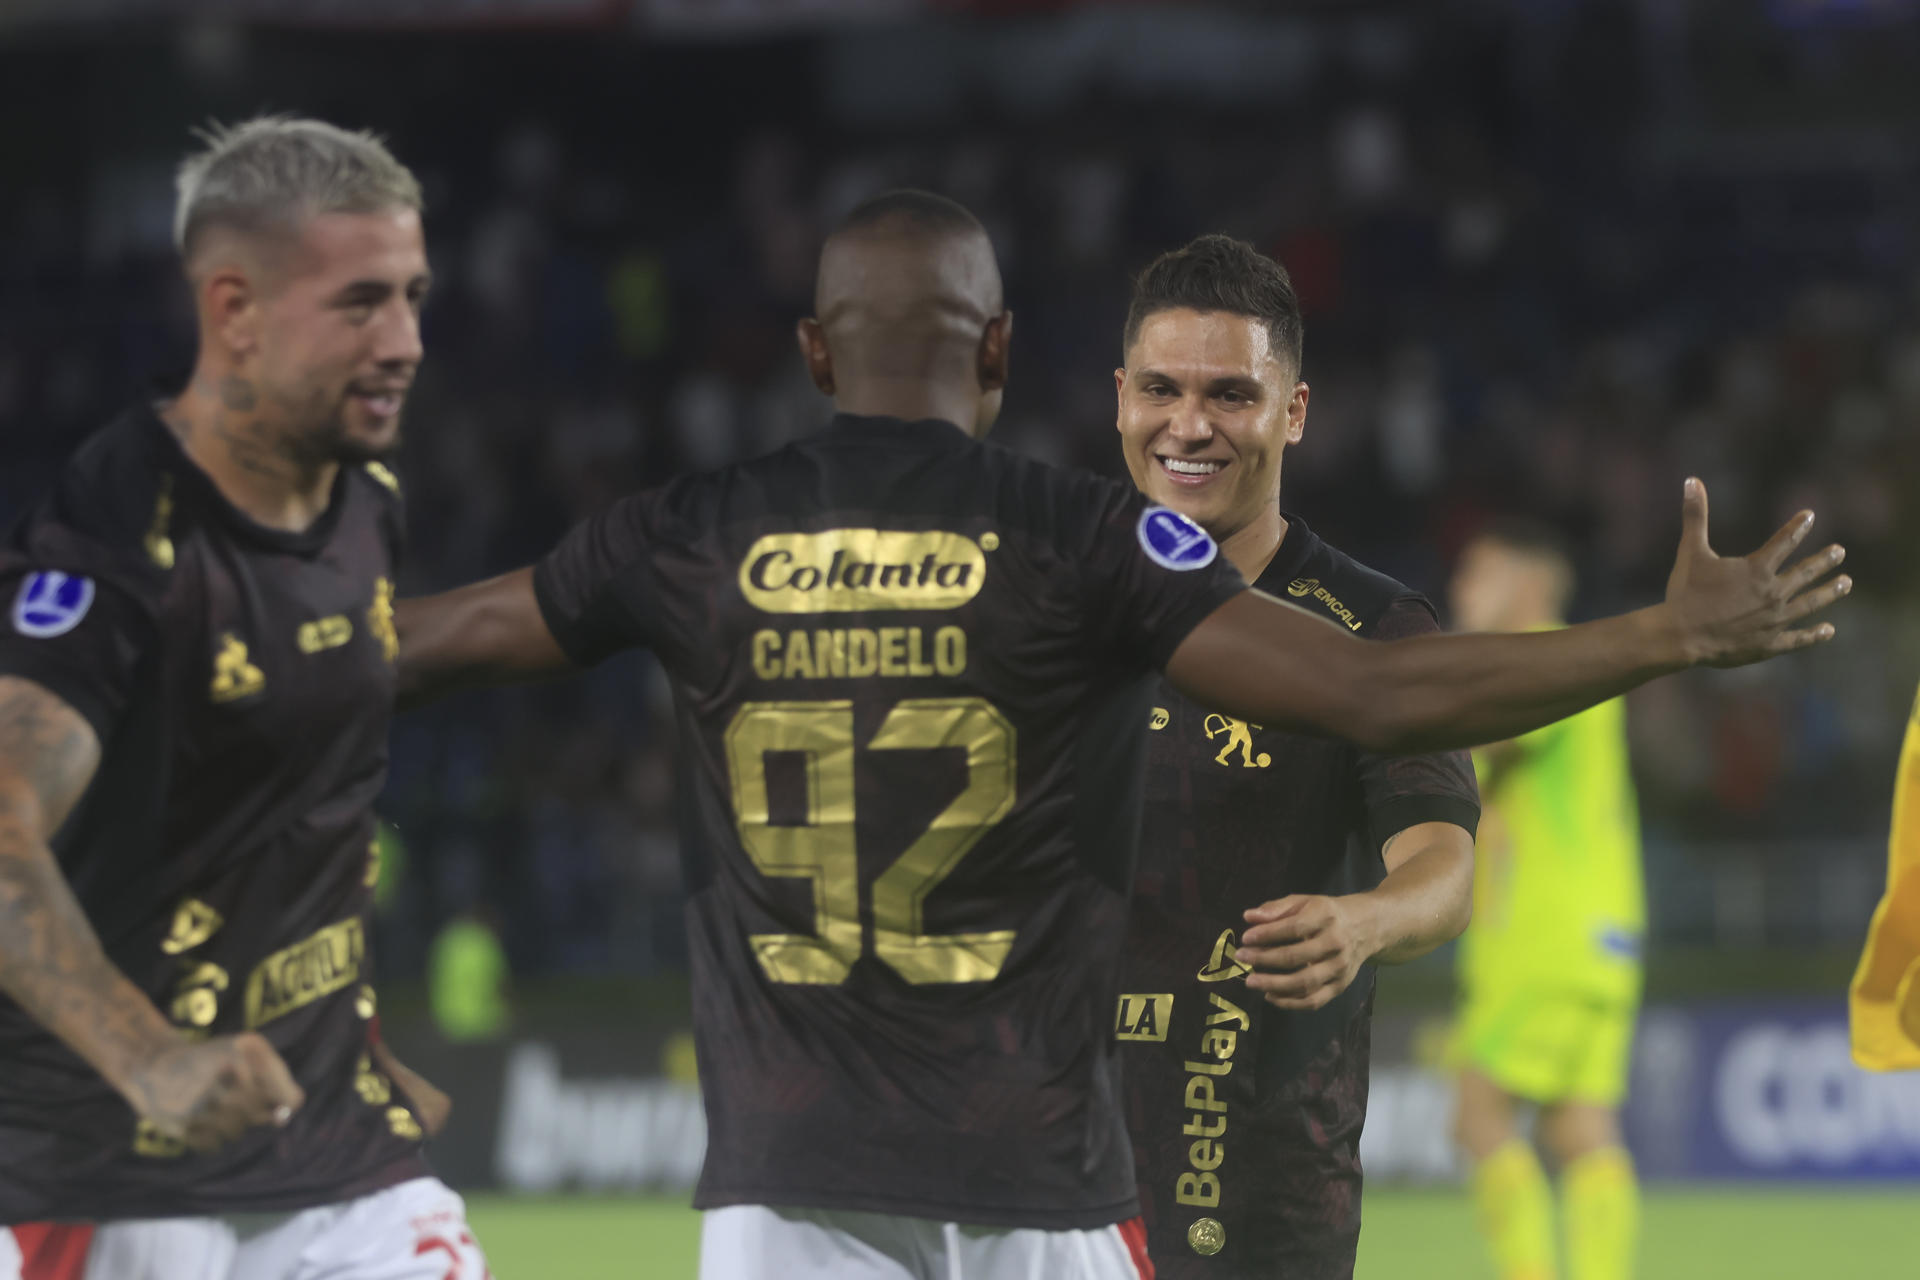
1584, 254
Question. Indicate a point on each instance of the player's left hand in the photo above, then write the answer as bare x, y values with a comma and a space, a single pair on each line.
1305, 949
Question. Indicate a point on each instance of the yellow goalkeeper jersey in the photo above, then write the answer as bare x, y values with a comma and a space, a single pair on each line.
1885, 996
1558, 900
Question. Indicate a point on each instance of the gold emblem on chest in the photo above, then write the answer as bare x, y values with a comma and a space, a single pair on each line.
1239, 738
235, 677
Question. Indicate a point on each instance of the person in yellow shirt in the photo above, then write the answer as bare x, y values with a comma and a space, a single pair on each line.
1885, 996
1550, 968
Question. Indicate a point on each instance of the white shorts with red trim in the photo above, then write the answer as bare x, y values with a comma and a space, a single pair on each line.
416, 1230
44, 1251
758, 1242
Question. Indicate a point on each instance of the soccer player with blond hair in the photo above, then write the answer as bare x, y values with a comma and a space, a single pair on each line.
197, 672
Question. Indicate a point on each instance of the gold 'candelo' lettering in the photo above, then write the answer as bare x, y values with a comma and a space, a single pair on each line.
318, 966
858, 652
855, 570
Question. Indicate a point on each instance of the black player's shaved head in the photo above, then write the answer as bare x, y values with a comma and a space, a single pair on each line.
908, 258
908, 307
909, 208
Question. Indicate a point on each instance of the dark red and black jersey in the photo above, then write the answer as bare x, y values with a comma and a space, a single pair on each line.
1246, 1119
240, 680
909, 667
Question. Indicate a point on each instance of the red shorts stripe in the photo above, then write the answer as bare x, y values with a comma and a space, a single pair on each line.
52, 1250
1134, 1232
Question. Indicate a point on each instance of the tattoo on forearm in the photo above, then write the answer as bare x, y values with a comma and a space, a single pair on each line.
46, 745
50, 960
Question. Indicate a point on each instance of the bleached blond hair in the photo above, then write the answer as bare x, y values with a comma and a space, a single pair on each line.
268, 173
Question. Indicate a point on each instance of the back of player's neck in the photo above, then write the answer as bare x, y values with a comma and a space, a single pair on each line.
910, 403
218, 430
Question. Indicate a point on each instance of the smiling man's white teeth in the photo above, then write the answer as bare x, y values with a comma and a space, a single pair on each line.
1182, 467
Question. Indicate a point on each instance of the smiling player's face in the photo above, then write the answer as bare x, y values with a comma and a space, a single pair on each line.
1206, 408
340, 334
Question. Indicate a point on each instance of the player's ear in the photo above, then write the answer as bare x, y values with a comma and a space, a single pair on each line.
813, 350
1297, 413
230, 308
993, 358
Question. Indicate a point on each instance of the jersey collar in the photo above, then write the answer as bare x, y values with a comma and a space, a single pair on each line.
1296, 549
921, 433
307, 542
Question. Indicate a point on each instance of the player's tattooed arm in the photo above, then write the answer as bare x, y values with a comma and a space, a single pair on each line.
1306, 949
52, 964
1258, 659
489, 633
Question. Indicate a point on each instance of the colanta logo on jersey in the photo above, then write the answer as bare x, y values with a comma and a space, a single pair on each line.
51, 604
1174, 542
855, 570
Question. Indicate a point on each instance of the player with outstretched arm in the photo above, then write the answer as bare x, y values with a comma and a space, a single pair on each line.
1246, 1107
910, 670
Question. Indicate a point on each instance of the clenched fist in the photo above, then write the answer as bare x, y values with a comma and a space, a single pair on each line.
206, 1093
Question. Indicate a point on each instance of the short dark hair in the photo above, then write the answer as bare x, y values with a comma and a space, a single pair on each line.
1220, 273
911, 209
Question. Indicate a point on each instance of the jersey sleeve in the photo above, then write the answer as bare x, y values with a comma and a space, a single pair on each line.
80, 638
1405, 791
599, 588
1145, 591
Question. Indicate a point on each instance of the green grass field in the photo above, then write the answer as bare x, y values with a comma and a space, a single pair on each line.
1732, 1233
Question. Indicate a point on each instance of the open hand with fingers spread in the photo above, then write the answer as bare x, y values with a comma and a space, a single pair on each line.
206, 1093
1733, 610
